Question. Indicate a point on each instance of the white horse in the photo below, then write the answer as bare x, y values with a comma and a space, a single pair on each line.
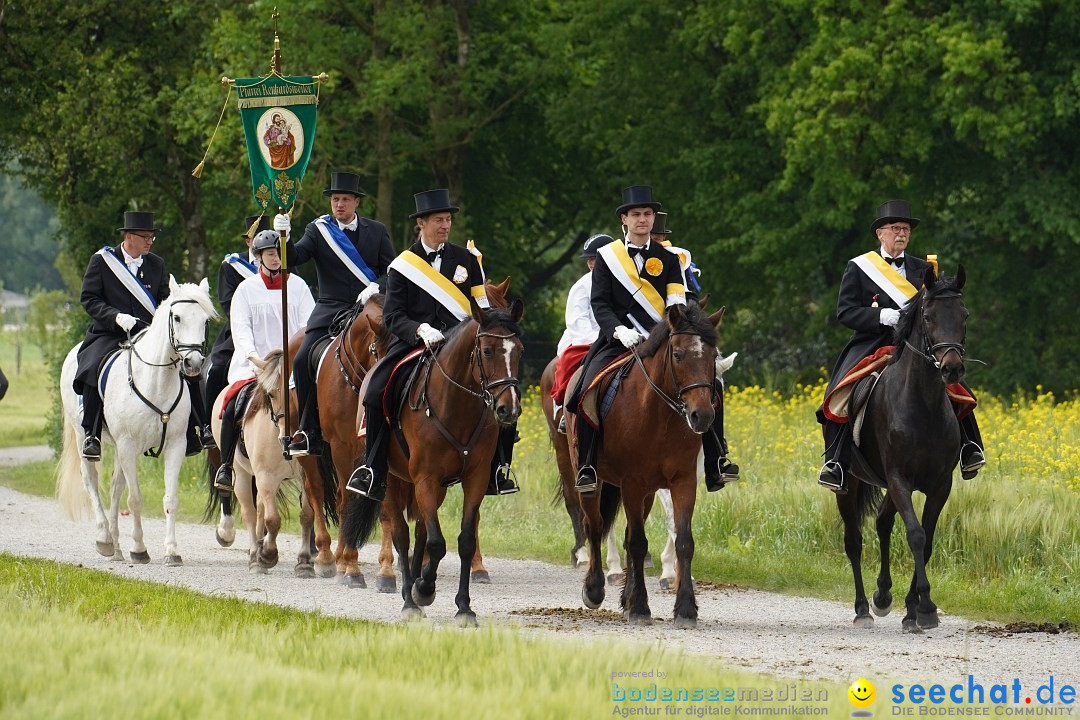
260, 459
146, 409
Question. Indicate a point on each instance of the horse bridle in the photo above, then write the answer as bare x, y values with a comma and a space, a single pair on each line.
675, 403
485, 394
949, 347
354, 362
178, 349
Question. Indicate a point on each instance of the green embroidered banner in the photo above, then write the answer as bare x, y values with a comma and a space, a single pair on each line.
279, 125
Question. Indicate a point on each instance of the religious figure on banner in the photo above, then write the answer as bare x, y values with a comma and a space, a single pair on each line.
280, 142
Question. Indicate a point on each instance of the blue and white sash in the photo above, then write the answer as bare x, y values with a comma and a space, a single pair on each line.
341, 245
120, 270
241, 265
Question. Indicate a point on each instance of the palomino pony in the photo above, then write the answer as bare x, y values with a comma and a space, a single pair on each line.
259, 467
910, 439
146, 408
668, 399
467, 389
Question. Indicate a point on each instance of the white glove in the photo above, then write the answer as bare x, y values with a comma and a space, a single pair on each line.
431, 337
125, 322
723, 364
281, 224
629, 338
890, 317
367, 293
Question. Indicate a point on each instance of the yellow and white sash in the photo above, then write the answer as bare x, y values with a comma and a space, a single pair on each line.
885, 277
625, 271
425, 277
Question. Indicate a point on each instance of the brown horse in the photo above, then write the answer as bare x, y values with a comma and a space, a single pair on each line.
466, 390
668, 398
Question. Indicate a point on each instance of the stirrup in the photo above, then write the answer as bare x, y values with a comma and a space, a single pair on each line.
976, 460
362, 482
504, 482
587, 481
562, 424
301, 444
223, 479
825, 479
206, 438
91, 449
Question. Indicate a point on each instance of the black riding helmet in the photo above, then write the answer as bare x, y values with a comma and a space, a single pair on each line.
594, 243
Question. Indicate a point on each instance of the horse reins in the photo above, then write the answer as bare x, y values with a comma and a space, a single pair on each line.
163, 415
355, 365
675, 403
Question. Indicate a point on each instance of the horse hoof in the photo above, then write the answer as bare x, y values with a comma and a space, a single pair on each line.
304, 570
105, 548
268, 561
411, 614
616, 578
385, 584
590, 603
325, 571
466, 619
140, 558
421, 599
865, 622
648, 561
685, 623
910, 626
927, 621
256, 569
173, 561
481, 576
223, 541
881, 606
639, 619
353, 582
667, 583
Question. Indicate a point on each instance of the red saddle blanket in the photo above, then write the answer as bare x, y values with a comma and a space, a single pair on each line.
835, 406
388, 391
232, 391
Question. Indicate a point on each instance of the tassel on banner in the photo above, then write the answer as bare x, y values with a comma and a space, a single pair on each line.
254, 225
198, 171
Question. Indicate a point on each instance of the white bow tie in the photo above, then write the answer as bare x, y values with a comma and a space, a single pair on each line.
133, 263
350, 226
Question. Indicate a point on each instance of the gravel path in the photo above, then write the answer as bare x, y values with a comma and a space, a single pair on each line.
760, 631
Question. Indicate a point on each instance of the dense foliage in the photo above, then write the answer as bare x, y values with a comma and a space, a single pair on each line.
770, 131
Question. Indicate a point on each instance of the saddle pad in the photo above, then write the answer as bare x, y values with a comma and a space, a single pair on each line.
590, 403
232, 392
388, 391
103, 374
320, 350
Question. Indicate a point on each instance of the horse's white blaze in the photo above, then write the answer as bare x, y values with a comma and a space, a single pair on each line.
697, 347
508, 348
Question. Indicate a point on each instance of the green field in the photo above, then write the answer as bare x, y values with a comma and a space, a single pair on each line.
85, 644
24, 410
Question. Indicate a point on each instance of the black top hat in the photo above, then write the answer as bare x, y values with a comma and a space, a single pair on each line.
343, 182
134, 220
637, 196
593, 245
432, 201
894, 211
659, 226
249, 222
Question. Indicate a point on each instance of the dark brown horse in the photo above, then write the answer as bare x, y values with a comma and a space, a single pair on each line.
450, 422
651, 440
911, 440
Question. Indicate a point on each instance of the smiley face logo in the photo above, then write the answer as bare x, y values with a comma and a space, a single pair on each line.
862, 693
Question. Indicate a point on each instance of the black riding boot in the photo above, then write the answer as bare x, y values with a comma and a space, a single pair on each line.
719, 470
587, 442
199, 437
308, 438
838, 456
93, 417
223, 480
369, 479
972, 450
503, 479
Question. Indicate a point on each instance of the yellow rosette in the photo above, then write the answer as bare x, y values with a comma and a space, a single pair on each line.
654, 266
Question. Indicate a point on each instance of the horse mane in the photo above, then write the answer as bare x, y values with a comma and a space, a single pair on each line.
191, 291
905, 326
268, 383
694, 320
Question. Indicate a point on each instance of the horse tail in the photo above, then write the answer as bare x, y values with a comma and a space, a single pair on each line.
360, 516
69, 485
610, 500
213, 496
868, 498
557, 493
330, 487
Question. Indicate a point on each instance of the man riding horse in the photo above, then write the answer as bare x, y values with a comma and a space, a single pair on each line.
422, 284
875, 287
121, 289
633, 282
351, 257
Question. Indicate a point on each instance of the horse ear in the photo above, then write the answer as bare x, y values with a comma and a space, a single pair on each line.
205, 286
258, 362
173, 287
717, 316
961, 277
504, 286
929, 278
517, 309
703, 301
674, 315
477, 311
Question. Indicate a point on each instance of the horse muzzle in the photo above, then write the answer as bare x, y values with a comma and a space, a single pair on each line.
192, 364
507, 414
700, 420
952, 372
